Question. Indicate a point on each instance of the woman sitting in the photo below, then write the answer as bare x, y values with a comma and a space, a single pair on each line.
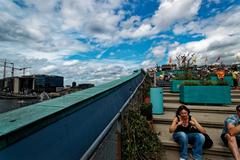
186, 130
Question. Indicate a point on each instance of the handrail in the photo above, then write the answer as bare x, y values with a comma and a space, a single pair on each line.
99, 139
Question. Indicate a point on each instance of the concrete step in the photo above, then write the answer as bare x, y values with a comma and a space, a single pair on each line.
170, 94
236, 101
210, 116
167, 99
168, 89
214, 120
235, 95
175, 99
217, 152
235, 91
229, 109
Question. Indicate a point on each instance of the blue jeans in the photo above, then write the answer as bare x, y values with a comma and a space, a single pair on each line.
183, 139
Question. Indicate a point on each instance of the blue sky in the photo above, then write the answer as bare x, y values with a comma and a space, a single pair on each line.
97, 41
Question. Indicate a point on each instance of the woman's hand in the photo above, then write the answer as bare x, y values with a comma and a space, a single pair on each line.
179, 123
193, 123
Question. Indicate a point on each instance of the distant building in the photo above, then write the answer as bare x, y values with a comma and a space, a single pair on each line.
28, 84
167, 67
48, 83
17, 85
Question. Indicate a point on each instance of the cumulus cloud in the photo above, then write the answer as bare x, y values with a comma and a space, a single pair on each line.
171, 11
168, 13
98, 71
70, 63
221, 37
48, 69
159, 52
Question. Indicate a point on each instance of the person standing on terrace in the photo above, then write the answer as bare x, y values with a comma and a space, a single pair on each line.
231, 133
220, 73
235, 77
186, 130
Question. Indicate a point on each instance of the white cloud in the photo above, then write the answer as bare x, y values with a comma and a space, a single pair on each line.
170, 11
97, 71
159, 52
70, 63
221, 37
148, 64
48, 69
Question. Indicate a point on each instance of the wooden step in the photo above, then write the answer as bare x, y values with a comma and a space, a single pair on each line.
170, 94
175, 99
226, 109
235, 91
168, 89
236, 101
217, 152
235, 95
210, 116
206, 119
167, 99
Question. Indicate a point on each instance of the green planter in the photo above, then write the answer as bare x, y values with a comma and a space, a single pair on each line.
228, 79
175, 84
205, 94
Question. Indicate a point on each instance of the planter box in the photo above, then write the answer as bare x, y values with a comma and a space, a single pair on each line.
205, 94
228, 79
175, 84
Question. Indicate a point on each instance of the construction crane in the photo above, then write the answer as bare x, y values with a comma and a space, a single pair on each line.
23, 69
12, 66
12, 72
5, 66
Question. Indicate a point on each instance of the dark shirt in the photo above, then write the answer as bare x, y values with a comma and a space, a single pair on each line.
187, 129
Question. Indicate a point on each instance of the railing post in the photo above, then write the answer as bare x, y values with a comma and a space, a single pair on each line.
119, 140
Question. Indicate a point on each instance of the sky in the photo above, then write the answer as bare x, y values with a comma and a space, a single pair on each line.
97, 41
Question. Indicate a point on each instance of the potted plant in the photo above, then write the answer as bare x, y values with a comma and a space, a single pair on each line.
186, 64
146, 108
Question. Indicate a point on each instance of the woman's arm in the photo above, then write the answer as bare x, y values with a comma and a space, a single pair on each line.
174, 125
195, 123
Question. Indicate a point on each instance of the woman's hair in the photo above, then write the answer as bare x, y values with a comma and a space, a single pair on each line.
180, 108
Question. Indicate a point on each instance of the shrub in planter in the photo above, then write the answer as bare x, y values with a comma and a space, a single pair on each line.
146, 108
205, 83
146, 111
188, 83
175, 84
138, 140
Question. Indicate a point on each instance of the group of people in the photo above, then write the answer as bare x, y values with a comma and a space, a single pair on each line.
220, 72
187, 130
